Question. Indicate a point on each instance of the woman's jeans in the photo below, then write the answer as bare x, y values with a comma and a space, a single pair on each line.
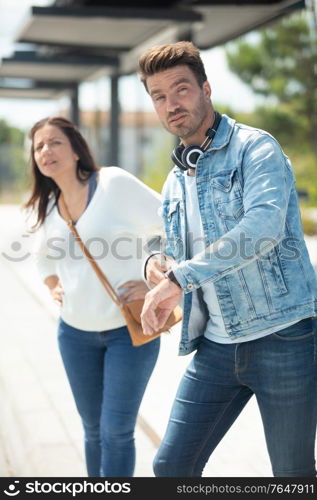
280, 369
108, 377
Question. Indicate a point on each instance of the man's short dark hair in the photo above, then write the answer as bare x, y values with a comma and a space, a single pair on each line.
162, 57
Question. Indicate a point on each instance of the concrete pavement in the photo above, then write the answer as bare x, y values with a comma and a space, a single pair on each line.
40, 431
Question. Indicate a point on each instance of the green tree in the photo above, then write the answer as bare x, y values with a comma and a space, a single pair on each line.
281, 62
12, 161
158, 163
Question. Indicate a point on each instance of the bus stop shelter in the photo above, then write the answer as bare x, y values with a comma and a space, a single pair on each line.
76, 41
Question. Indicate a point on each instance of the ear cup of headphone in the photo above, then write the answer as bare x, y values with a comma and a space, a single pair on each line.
177, 157
190, 156
186, 158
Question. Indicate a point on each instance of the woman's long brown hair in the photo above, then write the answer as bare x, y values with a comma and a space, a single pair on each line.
44, 188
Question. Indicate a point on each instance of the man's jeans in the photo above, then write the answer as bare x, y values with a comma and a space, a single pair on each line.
108, 377
280, 369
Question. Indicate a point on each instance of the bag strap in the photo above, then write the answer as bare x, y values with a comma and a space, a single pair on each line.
109, 288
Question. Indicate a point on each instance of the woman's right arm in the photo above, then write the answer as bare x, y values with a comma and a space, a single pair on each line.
44, 262
45, 265
55, 288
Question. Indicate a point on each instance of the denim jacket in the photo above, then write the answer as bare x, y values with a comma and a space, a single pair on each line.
255, 250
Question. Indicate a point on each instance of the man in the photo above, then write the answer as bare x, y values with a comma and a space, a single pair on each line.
236, 256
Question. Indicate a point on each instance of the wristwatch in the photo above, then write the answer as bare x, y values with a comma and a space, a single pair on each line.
171, 276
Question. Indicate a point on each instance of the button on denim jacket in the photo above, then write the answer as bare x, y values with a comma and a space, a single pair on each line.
255, 254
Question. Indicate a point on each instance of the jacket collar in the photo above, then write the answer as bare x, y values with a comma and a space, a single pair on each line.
223, 134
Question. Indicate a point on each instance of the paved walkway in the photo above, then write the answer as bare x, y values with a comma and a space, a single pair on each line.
40, 431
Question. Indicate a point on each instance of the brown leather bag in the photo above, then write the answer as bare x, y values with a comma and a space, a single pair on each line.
130, 310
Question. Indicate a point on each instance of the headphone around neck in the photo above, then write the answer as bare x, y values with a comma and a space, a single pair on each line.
187, 157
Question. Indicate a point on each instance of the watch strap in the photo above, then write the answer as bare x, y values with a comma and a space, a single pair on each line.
171, 276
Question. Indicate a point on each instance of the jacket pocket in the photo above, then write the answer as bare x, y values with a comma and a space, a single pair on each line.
226, 181
272, 273
227, 195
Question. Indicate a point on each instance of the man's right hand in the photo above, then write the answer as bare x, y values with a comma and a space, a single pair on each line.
156, 266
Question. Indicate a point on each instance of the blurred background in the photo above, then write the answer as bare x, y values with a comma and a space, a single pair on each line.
78, 59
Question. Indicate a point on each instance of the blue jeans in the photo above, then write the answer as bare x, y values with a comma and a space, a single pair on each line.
280, 369
108, 377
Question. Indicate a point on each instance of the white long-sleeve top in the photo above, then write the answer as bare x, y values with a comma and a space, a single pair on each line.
120, 219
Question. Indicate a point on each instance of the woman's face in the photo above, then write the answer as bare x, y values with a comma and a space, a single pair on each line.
53, 152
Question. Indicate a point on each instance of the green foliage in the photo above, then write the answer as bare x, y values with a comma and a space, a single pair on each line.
306, 175
158, 162
309, 223
281, 62
12, 162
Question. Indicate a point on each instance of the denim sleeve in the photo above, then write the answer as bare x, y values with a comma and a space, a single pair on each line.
268, 181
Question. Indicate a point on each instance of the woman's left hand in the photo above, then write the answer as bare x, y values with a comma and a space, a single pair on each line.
134, 290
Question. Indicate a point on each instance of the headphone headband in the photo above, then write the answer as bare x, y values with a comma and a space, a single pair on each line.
211, 132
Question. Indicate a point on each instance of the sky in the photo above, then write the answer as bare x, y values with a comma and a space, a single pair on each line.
226, 87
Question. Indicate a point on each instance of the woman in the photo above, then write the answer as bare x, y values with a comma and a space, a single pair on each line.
115, 215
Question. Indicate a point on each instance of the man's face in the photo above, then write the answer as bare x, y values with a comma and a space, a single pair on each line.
181, 104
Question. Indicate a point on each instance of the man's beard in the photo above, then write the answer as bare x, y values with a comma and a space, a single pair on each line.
183, 131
